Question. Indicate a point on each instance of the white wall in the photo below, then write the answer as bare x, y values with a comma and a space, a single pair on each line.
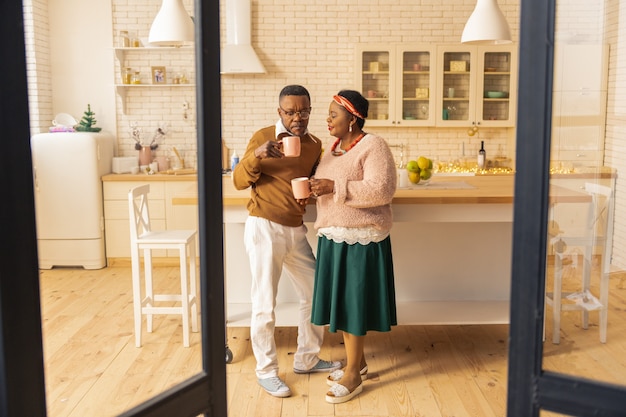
311, 43
81, 59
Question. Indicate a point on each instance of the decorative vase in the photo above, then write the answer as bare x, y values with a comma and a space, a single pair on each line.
145, 155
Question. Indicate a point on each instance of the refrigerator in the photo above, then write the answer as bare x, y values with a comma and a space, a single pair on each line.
67, 171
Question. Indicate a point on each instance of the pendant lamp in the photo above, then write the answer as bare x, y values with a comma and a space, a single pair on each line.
172, 26
486, 25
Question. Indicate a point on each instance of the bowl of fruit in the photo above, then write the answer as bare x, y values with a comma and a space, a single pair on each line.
420, 170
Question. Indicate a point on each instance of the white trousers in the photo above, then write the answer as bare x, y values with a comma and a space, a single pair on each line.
273, 249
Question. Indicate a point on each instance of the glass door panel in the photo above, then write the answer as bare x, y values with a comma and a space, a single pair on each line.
376, 83
416, 82
456, 90
496, 86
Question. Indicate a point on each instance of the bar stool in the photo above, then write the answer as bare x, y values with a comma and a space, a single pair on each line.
142, 237
597, 232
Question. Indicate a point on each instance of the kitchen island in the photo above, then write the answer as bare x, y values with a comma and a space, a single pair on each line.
451, 240
451, 243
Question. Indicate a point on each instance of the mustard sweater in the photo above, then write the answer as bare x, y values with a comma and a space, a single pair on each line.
271, 196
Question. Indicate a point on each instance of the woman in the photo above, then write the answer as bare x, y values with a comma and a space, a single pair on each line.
354, 285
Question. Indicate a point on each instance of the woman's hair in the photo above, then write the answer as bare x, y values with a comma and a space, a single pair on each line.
359, 102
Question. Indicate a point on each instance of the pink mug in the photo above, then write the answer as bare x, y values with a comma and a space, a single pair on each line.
301, 188
291, 146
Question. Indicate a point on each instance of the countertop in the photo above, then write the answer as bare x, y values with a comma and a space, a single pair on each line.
441, 190
146, 177
480, 189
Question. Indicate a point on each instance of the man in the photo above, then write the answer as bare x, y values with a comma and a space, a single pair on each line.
275, 237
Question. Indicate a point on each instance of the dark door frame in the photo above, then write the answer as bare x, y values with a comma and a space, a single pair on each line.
22, 390
531, 389
22, 383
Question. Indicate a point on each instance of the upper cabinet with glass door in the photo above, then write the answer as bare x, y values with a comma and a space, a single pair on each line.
399, 82
476, 85
579, 104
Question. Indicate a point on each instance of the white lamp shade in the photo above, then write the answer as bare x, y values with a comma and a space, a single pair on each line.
486, 25
172, 26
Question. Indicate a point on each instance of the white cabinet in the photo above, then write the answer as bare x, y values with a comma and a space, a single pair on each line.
580, 67
174, 59
163, 214
179, 216
399, 82
579, 104
476, 85
441, 85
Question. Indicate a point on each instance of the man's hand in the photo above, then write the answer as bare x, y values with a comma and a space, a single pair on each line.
270, 149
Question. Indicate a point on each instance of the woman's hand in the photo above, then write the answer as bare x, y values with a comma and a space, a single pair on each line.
321, 186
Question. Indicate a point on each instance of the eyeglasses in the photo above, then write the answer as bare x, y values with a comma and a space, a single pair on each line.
304, 114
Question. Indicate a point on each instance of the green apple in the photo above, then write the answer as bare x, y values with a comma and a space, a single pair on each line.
412, 166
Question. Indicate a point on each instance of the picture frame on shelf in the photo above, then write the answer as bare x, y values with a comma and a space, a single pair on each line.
159, 75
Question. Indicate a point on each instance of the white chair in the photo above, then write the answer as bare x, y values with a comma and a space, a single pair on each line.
597, 231
142, 237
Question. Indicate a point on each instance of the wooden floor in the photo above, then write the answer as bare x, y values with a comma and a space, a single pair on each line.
94, 369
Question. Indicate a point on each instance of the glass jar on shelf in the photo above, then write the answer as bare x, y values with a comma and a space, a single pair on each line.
136, 78
135, 42
127, 75
124, 39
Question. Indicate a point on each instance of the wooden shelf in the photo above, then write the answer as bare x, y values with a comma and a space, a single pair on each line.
122, 89
120, 54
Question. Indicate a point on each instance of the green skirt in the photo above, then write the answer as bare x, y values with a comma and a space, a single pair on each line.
354, 287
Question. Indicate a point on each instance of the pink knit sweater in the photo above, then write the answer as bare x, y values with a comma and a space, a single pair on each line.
365, 182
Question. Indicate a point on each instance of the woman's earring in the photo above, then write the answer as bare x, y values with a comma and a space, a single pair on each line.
350, 129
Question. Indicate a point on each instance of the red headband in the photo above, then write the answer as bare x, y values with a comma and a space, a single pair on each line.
342, 101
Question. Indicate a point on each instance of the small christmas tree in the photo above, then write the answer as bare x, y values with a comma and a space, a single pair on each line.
87, 122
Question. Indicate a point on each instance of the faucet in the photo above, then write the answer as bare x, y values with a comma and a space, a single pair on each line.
401, 146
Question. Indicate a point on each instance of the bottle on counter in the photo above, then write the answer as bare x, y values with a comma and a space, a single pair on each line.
482, 156
234, 160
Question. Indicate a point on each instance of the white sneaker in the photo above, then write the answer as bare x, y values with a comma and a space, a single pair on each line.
275, 386
320, 366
